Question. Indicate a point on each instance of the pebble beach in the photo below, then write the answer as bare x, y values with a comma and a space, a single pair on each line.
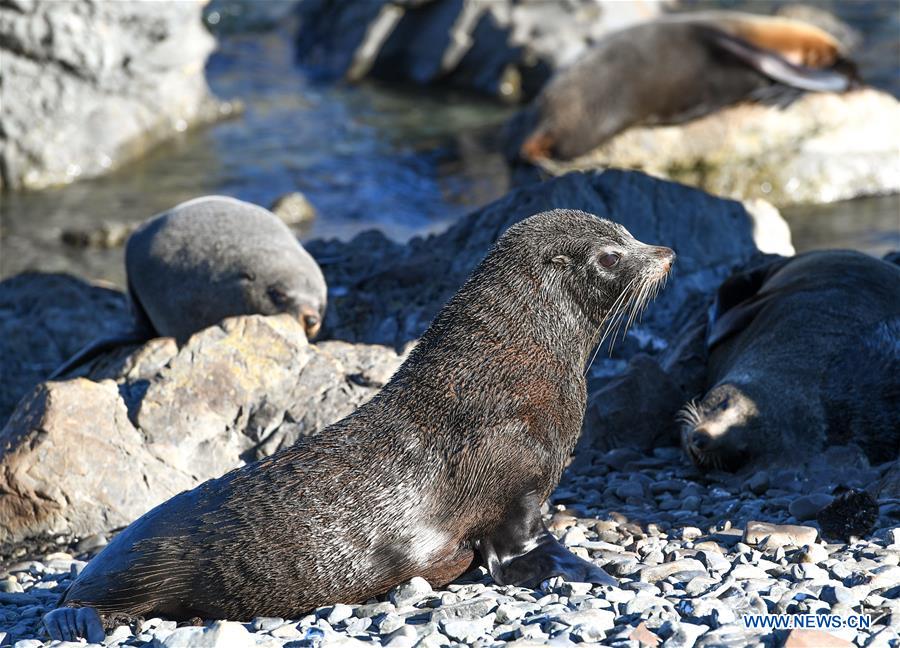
691, 554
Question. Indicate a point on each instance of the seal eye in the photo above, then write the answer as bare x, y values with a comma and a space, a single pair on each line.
608, 260
311, 321
278, 296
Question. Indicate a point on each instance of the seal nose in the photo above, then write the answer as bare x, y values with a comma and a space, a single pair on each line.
666, 257
310, 320
700, 439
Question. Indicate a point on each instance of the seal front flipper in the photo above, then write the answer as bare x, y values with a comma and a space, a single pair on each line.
72, 624
522, 552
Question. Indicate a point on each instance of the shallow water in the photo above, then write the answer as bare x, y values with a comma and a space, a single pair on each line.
366, 156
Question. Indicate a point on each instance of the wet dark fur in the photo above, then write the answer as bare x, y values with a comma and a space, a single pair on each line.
452, 458
660, 72
804, 352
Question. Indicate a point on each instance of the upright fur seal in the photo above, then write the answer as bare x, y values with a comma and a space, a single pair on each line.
802, 352
211, 258
675, 69
452, 458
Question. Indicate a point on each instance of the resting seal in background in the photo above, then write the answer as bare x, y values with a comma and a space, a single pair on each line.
454, 456
211, 258
802, 352
675, 69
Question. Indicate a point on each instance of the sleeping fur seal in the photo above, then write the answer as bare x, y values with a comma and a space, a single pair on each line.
803, 352
207, 259
451, 459
672, 70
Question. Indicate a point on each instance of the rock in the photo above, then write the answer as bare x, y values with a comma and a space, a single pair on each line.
465, 631
806, 507
589, 625
294, 209
410, 592
219, 634
612, 406
851, 514
822, 148
644, 636
390, 295
889, 487
503, 48
659, 572
104, 236
233, 393
779, 535
814, 639
88, 86
339, 613
44, 320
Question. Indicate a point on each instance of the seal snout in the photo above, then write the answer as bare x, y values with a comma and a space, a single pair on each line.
310, 320
699, 439
665, 256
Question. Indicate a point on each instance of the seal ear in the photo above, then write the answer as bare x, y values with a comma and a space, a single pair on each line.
561, 260
738, 301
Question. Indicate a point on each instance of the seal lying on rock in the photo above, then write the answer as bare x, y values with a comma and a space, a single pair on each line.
672, 70
454, 456
802, 352
211, 258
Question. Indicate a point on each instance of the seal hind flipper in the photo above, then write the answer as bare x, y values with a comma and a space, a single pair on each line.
141, 331
522, 552
773, 65
94, 349
737, 300
796, 41
72, 624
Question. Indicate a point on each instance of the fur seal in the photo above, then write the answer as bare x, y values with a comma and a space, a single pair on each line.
452, 458
803, 352
211, 258
674, 69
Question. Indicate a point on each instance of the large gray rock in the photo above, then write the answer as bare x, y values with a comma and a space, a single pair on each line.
390, 294
88, 85
81, 456
502, 48
822, 148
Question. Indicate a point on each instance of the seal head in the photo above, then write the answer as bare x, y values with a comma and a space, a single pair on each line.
803, 352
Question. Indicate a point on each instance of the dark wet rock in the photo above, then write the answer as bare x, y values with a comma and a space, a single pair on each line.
807, 507
612, 420
852, 514
502, 48
233, 393
44, 320
90, 85
889, 487
389, 294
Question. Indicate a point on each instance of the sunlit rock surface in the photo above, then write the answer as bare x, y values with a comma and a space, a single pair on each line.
89, 85
822, 148
82, 456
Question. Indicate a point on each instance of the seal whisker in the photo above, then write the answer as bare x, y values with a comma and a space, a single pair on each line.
606, 323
